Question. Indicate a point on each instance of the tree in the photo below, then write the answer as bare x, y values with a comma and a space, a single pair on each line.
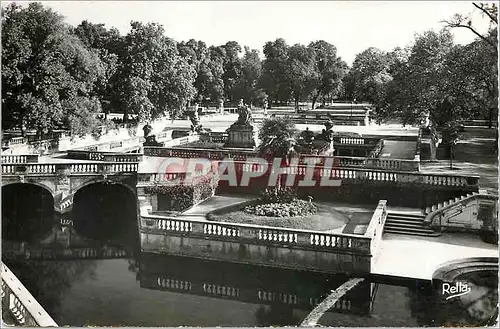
232, 68
489, 10
217, 55
368, 76
277, 136
331, 70
483, 55
421, 87
156, 79
48, 75
274, 71
109, 44
197, 54
301, 72
247, 86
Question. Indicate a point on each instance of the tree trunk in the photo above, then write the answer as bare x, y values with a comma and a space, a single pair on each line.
314, 102
490, 117
434, 143
451, 156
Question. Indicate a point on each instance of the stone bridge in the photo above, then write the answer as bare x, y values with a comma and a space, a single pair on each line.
63, 179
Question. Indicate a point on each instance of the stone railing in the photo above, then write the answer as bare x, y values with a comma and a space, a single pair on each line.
215, 137
364, 174
337, 171
457, 207
48, 169
21, 305
14, 141
376, 228
105, 156
180, 141
20, 158
255, 234
18, 251
355, 140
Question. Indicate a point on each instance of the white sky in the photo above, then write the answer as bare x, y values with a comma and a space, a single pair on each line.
352, 26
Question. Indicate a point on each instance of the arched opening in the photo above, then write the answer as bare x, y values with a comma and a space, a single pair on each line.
27, 212
106, 213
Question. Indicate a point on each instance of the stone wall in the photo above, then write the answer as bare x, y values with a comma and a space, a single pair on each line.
252, 244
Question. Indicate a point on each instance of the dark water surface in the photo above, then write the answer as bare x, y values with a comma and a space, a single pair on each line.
154, 290
158, 290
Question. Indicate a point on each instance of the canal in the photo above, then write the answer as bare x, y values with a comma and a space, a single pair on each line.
156, 290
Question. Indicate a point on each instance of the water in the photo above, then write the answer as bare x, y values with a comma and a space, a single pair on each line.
156, 290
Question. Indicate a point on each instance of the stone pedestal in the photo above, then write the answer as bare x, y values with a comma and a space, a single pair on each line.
241, 136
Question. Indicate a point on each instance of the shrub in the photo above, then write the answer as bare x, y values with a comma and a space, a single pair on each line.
294, 208
278, 195
185, 196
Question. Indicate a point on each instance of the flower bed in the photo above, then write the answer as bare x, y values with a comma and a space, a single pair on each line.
281, 202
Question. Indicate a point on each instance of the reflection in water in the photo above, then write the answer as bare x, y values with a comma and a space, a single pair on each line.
96, 214
155, 290
27, 212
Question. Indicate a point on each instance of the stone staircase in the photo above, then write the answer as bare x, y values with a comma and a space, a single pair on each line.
413, 223
435, 207
408, 224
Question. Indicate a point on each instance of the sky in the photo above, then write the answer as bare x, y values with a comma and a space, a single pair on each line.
352, 26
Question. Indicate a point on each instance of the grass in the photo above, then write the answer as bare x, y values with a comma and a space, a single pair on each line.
325, 219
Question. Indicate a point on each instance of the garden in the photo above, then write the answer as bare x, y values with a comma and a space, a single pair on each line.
282, 207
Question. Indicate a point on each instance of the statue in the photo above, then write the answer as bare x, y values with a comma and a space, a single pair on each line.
244, 115
241, 104
195, 120
150, 139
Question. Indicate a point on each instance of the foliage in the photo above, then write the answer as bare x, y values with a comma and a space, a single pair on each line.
48, 75
293, 208
331, 69
278, 195
247, 87
155, 78
185, 196
277, 136
274, 68
368, 76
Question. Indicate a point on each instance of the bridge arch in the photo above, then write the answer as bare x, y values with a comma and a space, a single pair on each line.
105, 211
27, 211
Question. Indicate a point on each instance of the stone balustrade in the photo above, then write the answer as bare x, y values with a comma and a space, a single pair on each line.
18, 301
242, 155
343, 173
376, 228
105, 156
76, 168
20, 251
254, 233
20, 158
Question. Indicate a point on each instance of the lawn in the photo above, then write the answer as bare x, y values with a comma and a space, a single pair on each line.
327, 218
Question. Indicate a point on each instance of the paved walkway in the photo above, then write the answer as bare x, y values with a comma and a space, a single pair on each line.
418, 257
202, 209
398, 150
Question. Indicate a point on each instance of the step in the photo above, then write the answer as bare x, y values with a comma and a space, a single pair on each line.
418, 221
420, 225
408, 227
405, 215
434, 234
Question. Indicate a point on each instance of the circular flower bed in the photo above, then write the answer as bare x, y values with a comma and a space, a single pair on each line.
290, 209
